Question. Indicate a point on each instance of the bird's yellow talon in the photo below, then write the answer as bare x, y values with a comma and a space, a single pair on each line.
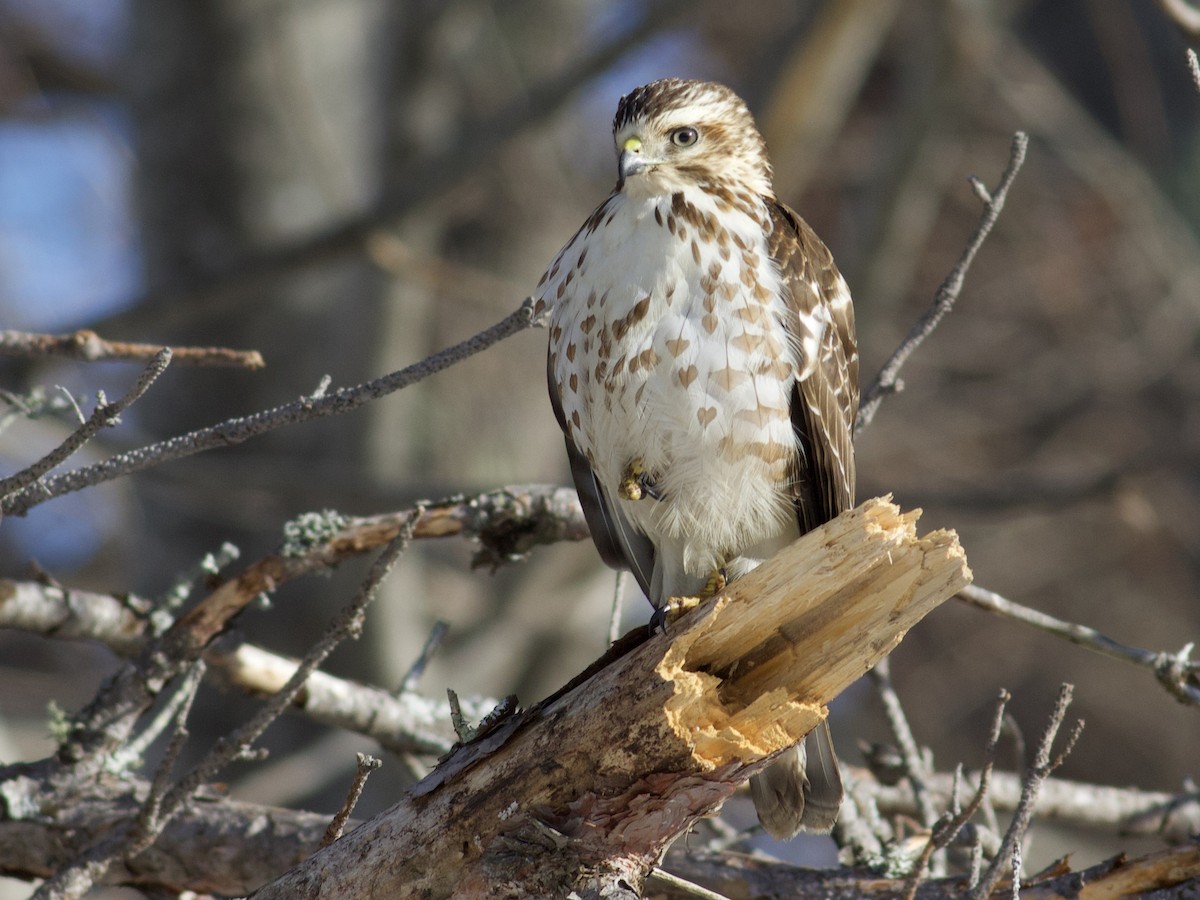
632, 481
716, 583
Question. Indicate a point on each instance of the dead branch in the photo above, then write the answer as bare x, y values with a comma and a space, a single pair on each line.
104, 415
235, 431
740, 875
1009, 855
1177, 672
408, 723
88, 346
955, 819
913, 765
43, 827
365, 766
507, 522
592, 784
888, 380
1125, 811
164, 803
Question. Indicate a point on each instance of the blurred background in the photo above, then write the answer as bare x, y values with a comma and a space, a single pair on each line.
350, 185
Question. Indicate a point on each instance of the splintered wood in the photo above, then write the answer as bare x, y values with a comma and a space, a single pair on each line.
604, 774
754, 671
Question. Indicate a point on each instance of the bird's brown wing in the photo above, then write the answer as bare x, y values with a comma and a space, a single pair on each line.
802, 790
825, 400
620, 545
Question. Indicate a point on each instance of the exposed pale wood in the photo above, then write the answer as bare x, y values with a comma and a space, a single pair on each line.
588, 788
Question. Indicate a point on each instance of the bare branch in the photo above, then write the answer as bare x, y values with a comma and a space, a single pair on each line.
235, 431
1042, 766
347, 624
590, 814
914, 766
255, 843
161, 807
88, 346
402, 723
945, 832
1177, 672
137, 833
888, 382
104, 415
680, 887
366, 765
417, 669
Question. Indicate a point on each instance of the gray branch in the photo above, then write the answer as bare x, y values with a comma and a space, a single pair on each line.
1177, 672
888, 380
104, 415
235, 431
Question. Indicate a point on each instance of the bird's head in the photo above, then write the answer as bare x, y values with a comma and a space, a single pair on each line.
673, 133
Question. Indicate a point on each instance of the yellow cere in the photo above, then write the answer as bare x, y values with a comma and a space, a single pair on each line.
632, 143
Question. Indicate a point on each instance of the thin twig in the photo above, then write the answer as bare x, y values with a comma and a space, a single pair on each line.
417, 669
148, 824
1043, 765
104, 415
77, 878
914, 764
682, 886
88, 346
888, 382
462, 726
366, 765
944, 833
1177, 672
235, 431
175, 710
172, 599
348, 624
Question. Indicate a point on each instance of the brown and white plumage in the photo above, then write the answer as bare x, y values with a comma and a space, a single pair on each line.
701, 336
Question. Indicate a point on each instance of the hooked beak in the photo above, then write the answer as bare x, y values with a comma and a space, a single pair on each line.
631, 161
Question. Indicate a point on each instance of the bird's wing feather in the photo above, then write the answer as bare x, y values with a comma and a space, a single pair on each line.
620, 545
825, 399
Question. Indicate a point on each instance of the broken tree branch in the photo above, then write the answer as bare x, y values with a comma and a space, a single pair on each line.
599, 778
47, 825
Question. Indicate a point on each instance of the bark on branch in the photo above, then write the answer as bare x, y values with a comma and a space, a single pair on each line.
586, 790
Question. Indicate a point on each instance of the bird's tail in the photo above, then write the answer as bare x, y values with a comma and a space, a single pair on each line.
802, 789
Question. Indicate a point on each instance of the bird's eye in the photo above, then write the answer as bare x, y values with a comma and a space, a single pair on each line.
684, 137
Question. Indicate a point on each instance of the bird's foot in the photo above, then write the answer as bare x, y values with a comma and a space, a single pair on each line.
716, 582
676, 607
637, 483
671, 611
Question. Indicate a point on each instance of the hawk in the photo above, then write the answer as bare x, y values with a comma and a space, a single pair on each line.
703, 367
